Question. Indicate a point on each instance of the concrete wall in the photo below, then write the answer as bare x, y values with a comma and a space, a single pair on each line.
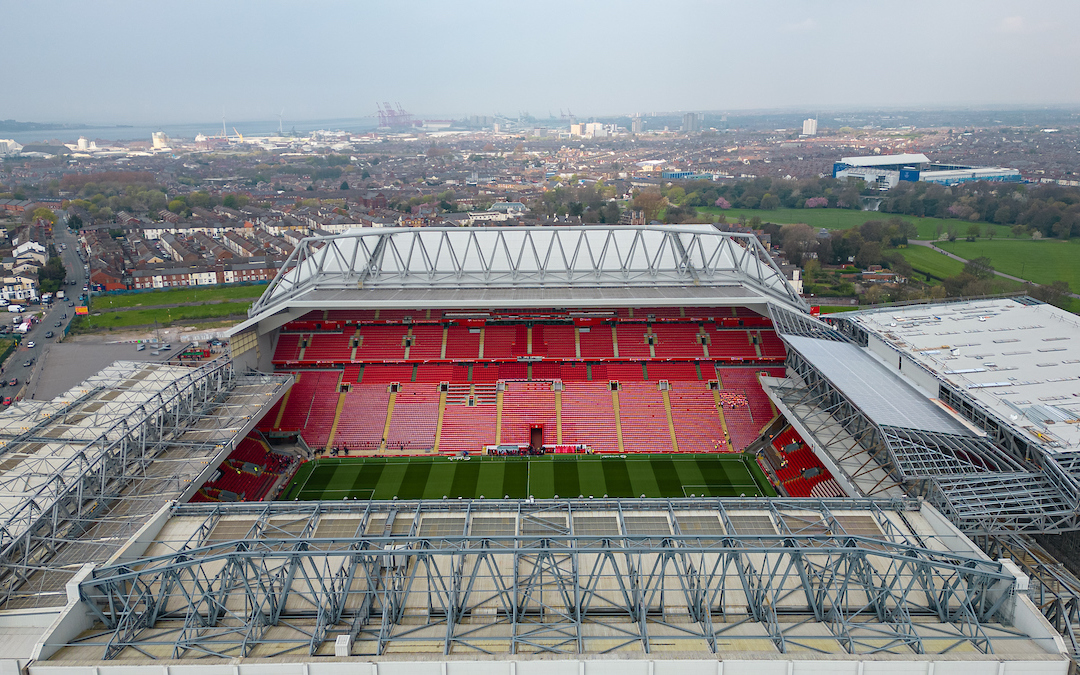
910, 369
603, 666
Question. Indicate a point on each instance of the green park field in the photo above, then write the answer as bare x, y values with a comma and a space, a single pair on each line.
1043, 261
543, 477
845, 219
176, 296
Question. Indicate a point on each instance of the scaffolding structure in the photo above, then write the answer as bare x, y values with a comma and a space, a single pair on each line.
82, 473
561, 577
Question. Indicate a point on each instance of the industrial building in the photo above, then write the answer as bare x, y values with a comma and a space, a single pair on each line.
886, 171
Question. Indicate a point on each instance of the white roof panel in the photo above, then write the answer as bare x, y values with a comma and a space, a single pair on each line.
884, 160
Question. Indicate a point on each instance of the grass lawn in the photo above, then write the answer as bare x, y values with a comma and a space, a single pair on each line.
939, 265
844, 219
836, 309
174, 296
139, 317
931, 262
1042, 261
543, 477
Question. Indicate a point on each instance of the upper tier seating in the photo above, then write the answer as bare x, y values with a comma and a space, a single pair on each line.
288, 348
382, 343
329, 347
730, 344
596, 342
426, 343
677, 341
463, 343
632, 342
558, 342
499, 342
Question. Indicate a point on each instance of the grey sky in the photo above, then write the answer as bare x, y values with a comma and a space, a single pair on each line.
155, 62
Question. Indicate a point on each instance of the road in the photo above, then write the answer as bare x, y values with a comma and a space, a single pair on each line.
54, 315
933, 247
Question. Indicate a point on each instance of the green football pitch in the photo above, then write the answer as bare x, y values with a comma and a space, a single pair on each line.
544, 477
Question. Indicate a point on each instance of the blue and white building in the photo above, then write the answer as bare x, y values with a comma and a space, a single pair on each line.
886, 171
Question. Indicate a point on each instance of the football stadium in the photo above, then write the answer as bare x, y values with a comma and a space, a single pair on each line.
556, 450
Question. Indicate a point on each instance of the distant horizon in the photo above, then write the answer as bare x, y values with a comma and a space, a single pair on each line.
72, 125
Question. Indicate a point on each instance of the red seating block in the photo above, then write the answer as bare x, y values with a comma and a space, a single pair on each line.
588, 416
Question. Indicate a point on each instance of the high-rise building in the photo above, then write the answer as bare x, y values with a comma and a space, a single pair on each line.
691, 122
160, 140
809, 127
637, 125
83, 143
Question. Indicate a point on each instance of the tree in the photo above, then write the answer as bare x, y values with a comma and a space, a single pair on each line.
797, 240
229, 201
869, 254
972, 232
649, 201
344, 185
770, 201
980, 268
42, 213
52, 275
74, 222
1056, 293
365, 175
177, 205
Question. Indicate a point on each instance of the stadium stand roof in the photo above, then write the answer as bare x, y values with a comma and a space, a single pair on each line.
434, 586
83, 472
875, 389
895, 414
886, 160
526, 266
1016, 358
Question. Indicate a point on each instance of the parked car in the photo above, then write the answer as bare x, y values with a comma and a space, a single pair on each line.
8, 400
31, 344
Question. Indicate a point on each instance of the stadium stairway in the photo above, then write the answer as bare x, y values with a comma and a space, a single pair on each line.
670, 422
389, 415
337, 418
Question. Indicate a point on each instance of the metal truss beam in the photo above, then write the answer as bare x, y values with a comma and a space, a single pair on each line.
527, 257
980, 487
541, 592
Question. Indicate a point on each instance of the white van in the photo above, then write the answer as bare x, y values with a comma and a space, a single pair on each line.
15, 308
